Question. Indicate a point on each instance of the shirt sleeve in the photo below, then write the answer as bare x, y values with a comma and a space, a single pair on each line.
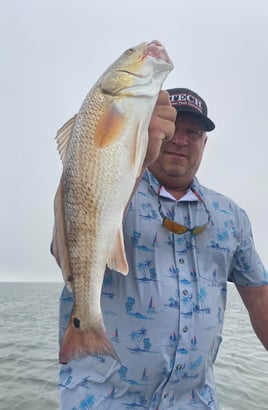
248, 269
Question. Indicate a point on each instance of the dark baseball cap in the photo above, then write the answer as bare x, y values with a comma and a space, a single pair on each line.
185, 100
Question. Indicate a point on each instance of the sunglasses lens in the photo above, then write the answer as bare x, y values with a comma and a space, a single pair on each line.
199, 229
174, 227
179, 229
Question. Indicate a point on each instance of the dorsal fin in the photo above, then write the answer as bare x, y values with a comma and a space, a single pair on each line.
63, 136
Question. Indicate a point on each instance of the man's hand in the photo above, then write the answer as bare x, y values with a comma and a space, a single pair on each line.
162, 127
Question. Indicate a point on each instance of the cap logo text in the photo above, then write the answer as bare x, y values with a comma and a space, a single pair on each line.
187, 99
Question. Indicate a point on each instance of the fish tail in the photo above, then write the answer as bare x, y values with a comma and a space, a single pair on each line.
83, 342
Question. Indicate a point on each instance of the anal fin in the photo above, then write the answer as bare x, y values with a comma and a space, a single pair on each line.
117, 260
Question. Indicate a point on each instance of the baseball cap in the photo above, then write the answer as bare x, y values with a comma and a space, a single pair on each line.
186, 100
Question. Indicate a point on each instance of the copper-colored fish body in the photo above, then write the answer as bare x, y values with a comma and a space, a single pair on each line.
102, 149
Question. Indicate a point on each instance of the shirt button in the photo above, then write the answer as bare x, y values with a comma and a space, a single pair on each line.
185, 329
185, 292
181, 260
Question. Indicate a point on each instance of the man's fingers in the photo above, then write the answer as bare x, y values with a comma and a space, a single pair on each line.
164, 122
169, 130
163, 98
163, 108
165, 112
162, 126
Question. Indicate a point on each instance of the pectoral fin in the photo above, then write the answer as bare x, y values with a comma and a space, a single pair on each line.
140, 147
110, 125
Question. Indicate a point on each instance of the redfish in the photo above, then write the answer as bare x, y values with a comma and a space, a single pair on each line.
102, 149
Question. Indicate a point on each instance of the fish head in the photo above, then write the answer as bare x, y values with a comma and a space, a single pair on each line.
140, 70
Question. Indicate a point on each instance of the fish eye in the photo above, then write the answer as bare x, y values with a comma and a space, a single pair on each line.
130, 50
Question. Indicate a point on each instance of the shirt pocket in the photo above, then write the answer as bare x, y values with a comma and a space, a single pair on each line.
215, 249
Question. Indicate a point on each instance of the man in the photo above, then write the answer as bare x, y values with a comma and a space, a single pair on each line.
183, 243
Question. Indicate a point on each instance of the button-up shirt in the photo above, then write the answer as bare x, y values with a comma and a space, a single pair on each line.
165, 317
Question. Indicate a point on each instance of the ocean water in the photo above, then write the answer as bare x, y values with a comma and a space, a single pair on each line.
29, 352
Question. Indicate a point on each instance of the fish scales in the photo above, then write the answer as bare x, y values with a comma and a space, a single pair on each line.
102, 148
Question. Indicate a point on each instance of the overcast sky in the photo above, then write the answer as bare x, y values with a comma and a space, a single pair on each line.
53, 51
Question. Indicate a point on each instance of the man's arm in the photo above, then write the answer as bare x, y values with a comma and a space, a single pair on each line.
256, 302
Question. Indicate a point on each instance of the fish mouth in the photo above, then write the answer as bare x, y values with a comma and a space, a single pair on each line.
153, 49
157, 50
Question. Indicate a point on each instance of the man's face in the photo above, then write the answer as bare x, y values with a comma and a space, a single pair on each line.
180, 157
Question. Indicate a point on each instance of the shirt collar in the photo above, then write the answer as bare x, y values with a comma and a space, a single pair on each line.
189, 196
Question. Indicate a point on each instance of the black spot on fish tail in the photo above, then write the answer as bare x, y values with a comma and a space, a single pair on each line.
76, 323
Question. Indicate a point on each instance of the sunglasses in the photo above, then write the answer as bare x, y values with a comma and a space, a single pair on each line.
177, 228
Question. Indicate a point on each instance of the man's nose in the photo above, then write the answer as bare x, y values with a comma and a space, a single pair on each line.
180, 137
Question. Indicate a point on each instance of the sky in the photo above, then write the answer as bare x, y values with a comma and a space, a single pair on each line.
52, 53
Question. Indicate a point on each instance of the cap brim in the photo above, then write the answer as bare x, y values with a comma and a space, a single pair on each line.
209, 125
207, 121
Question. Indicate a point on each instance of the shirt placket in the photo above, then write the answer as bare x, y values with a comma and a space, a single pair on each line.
182, 245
